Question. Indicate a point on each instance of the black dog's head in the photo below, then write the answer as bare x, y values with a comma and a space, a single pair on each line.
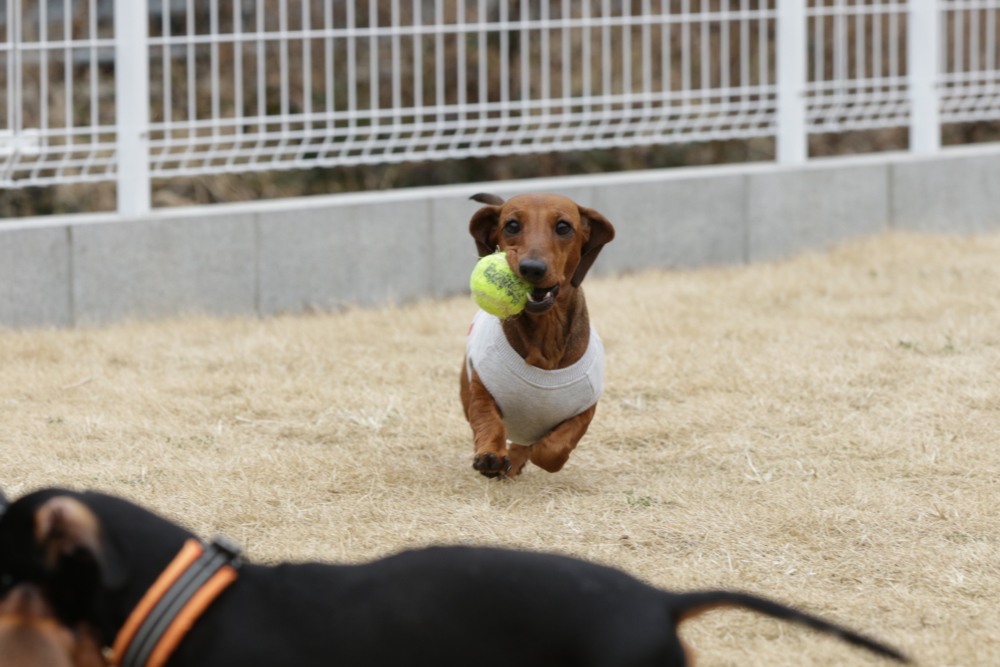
87, 550
53, 539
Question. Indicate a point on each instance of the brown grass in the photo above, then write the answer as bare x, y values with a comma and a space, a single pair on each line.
824, 430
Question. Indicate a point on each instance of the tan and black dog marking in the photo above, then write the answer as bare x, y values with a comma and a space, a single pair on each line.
32, 636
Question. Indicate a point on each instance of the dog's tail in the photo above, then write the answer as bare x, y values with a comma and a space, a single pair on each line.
693, 604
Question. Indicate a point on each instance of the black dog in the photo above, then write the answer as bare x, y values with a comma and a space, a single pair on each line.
97, 555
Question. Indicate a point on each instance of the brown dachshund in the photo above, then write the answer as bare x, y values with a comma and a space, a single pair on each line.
30, 635
551, 242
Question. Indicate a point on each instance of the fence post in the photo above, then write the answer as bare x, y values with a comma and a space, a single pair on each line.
132, 105
922, 57
792, 141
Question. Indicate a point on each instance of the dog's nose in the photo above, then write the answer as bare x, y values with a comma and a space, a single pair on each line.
532, 270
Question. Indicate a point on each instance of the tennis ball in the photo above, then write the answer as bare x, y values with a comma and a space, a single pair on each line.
496, 288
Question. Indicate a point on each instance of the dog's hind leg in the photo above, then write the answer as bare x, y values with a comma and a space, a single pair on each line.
518, 458
551, 452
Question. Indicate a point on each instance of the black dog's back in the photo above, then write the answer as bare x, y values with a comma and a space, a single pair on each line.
463, 605
442, 606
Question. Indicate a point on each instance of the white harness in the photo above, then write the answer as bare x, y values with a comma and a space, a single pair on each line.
532, 401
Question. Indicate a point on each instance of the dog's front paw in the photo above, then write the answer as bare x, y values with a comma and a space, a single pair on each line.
491, 465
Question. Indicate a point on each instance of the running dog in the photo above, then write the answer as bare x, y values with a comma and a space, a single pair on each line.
530, 383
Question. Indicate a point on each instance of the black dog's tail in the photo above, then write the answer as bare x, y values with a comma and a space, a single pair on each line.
692, 604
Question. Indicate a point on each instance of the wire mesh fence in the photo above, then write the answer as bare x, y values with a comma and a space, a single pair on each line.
57, 108
970, 68
266, 83
243, 85
856, 65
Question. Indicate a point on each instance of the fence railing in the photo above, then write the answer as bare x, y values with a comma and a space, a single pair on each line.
129, 90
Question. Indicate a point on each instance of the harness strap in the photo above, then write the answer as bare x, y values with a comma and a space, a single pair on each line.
181, 593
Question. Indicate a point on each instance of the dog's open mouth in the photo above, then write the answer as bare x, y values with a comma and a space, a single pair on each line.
541, 299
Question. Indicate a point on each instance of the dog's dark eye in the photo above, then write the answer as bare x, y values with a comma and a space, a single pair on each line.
512, 227
563, 228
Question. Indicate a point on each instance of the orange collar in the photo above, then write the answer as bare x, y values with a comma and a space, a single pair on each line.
181, 593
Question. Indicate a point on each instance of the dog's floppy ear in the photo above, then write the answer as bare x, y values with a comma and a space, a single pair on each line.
486, 198
483, 225
601, 232
4, 503
69, 536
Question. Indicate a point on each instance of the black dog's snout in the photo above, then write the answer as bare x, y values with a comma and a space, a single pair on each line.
532, 270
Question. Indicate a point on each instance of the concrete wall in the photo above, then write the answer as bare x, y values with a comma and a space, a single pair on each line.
325, 252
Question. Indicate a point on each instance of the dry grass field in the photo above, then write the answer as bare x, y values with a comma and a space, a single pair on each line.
823, 430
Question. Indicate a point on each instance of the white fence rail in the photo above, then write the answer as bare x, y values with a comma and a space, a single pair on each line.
129, 90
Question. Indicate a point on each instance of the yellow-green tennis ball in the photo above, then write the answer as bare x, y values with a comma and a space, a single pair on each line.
496, 288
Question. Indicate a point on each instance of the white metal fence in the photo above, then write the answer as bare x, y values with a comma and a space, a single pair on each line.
129, 90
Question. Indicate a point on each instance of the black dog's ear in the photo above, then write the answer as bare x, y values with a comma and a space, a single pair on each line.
486, 198
483, 228
4, 503
601, 232
69, 536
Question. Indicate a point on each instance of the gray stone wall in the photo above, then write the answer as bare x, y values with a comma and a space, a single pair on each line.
323, 253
